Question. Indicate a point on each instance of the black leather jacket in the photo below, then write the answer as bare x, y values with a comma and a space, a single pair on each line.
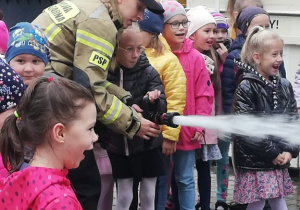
138, 81
254, 96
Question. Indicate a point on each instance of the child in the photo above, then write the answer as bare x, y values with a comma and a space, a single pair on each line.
262, 167
174, 82
201, 31
221, 45
234, 7
199, 99
11, 90
248, 18
136, 159
27, 52
57, 118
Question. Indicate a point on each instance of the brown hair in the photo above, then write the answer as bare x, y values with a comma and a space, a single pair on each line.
215, 77
239, 5
42, 106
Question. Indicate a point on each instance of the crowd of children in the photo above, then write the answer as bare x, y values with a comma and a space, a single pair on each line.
176, 61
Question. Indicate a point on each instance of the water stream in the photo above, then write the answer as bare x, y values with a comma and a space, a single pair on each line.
248, 125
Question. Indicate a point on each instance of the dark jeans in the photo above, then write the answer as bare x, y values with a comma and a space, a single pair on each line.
86, 181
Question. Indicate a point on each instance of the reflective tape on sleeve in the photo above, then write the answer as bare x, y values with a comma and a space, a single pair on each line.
113, 112
95, 42
51, 31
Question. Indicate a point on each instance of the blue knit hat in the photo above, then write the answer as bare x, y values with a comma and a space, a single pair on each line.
152, 23
11, 87
25, 38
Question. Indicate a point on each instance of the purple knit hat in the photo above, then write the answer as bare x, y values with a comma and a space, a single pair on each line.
245, 17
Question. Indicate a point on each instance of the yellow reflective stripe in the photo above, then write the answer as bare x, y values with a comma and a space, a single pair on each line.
95, 42
106, 84
51, 31
113, 113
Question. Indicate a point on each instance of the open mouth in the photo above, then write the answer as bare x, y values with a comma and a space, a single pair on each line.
275, 66
182, 34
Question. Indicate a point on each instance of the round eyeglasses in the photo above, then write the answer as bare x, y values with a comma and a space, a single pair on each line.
131, 50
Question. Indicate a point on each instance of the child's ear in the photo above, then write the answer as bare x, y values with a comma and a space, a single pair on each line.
256, 57
192, 37
58, 133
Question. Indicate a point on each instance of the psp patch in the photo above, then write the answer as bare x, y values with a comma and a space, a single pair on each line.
99, 60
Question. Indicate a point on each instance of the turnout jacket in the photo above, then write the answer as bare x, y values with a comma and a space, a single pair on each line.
139, 80
82, 38
255, 95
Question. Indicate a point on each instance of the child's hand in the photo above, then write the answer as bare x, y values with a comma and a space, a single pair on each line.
287, 157
198, 137
278, 160
168, 147
137, 108
222, 51
153, 95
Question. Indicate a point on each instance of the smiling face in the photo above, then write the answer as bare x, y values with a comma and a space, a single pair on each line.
131, 11
204, 37
28, 67
175, 36
268, 61
79, 136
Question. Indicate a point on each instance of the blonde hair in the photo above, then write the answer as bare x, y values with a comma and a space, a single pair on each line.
157, 45
259, 40
239, 5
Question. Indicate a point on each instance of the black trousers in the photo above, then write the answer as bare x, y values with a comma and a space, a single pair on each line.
86, 181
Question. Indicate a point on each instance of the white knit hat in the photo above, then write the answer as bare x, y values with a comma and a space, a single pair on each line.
199, 16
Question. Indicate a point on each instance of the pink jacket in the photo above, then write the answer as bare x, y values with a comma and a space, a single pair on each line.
3, 37
199, 92
38, 188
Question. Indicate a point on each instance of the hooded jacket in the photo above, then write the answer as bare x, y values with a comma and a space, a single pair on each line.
255, 95
138, 81
38, 188
174, 82
199, 92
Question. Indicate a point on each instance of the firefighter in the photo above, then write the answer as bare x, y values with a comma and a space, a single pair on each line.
82, 37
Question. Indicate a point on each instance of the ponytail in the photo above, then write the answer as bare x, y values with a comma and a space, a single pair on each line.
249, 46
11, 145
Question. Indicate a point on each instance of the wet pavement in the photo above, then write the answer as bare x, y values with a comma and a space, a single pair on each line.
293, 200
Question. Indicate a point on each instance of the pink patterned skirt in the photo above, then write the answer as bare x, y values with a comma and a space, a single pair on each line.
252, 186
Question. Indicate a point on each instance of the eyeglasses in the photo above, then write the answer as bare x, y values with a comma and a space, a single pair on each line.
131, 50
176, 25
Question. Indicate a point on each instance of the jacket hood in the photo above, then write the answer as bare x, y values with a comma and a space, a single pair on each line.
28, 184
238, 43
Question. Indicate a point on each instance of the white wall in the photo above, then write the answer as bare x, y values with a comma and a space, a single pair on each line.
285, 20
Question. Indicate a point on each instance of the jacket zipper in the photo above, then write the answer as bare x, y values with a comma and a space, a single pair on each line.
125, 139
